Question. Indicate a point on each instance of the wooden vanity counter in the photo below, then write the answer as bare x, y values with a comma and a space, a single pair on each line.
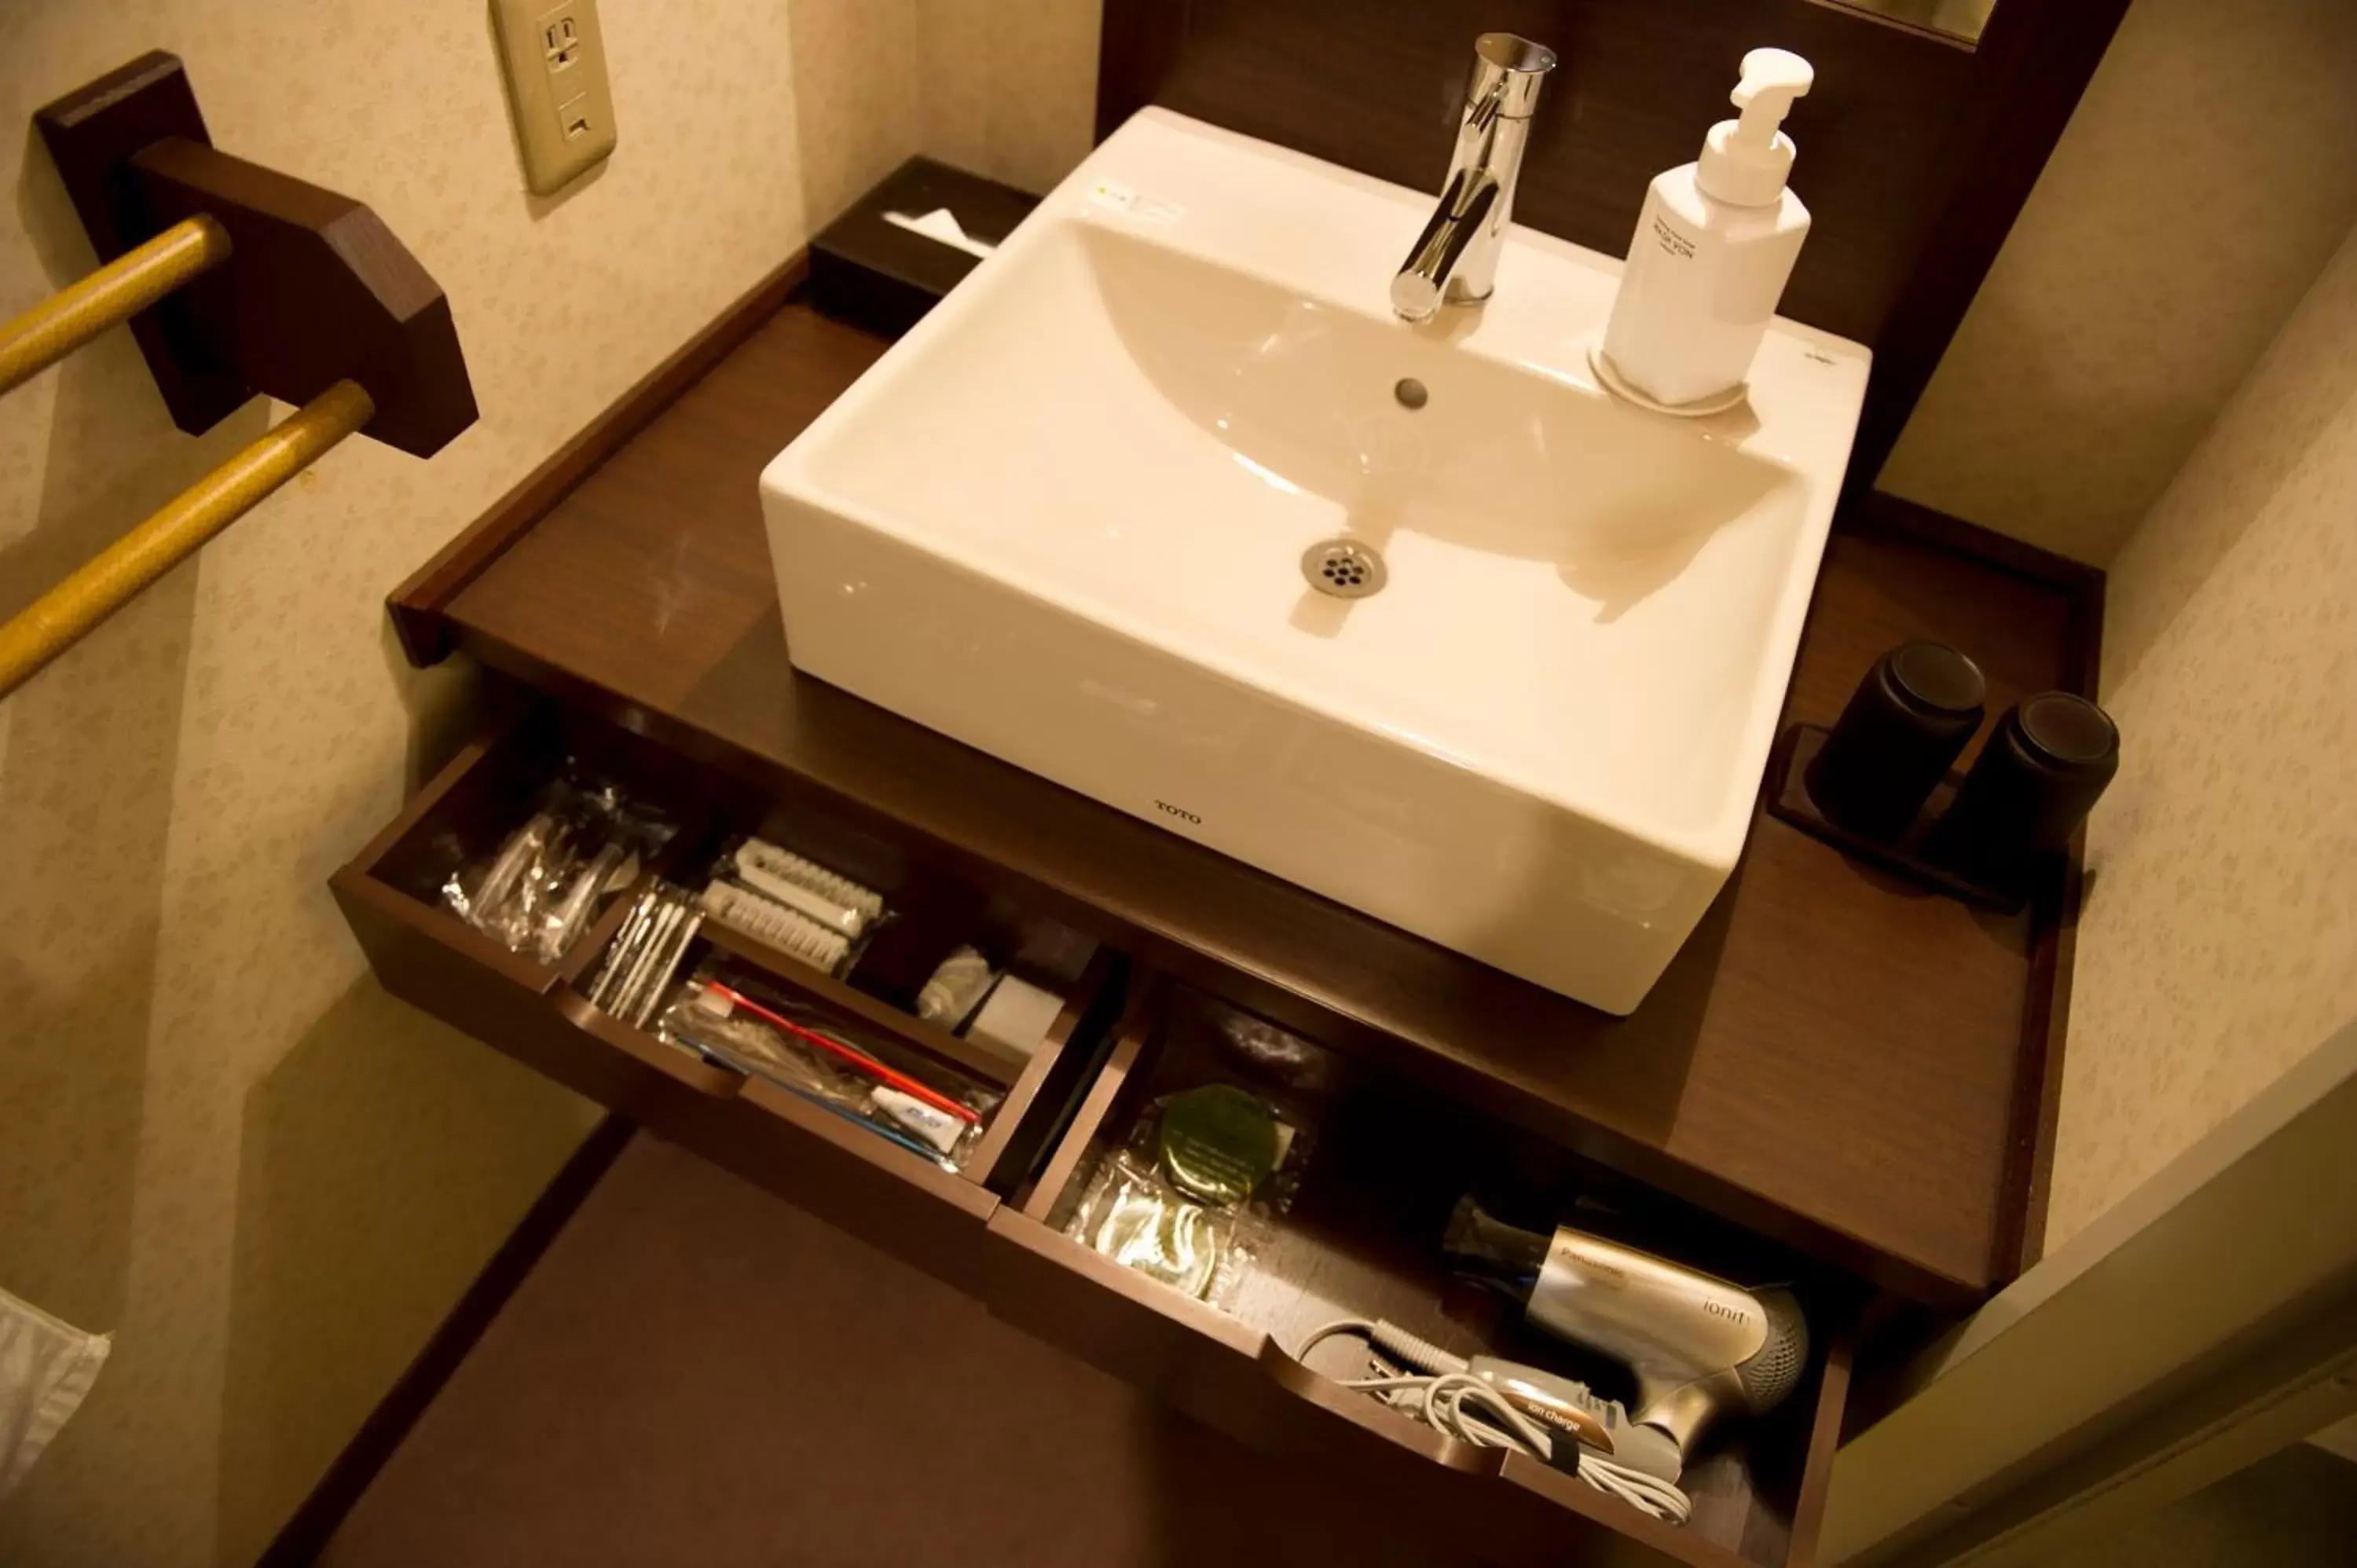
1855, 1066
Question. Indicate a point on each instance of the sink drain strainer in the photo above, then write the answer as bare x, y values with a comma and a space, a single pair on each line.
1344, 568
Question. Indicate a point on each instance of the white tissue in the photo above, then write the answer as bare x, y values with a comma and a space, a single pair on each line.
940, 224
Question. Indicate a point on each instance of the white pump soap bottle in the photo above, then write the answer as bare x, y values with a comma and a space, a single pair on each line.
1713, 246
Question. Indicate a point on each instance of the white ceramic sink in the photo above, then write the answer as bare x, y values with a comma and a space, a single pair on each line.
1063, 520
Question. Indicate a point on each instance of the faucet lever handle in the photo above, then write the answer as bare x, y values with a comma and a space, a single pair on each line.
1508, 70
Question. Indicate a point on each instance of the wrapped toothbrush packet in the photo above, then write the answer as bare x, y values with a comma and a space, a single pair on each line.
585, 843
728, 1013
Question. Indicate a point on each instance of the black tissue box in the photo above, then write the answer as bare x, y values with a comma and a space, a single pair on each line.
877, 274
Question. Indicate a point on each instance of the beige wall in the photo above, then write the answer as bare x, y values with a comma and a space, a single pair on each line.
1010, 85
2201, 184
218, 1138
2219, 940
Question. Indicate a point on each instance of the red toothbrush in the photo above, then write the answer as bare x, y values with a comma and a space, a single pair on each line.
860, 1060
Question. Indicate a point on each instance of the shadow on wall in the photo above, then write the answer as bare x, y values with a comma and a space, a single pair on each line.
2065, 465
358, 1150
447, 704
376, 1105
85, 806
2267, 459
540, 207
838, 111
2297, 1508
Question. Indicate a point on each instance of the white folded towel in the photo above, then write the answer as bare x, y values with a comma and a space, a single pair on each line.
46, 1368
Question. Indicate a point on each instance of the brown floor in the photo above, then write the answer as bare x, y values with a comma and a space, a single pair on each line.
699, 1373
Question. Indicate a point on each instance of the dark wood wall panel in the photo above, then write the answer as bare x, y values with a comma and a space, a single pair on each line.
1915, 152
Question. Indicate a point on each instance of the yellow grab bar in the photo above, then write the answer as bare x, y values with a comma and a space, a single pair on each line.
108, 298
69, 612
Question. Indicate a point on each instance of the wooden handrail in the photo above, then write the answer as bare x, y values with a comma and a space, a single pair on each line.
108, 298
71, 610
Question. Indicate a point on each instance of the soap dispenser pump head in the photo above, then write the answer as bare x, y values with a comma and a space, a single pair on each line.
1746, 161
1772, 80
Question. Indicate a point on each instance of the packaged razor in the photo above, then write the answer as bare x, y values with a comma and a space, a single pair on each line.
584, 844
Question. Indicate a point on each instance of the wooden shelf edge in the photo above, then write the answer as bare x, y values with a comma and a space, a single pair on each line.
416, 607
1888, 512
2019, 1240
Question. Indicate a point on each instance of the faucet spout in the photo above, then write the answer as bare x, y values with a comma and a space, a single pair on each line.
1455, 260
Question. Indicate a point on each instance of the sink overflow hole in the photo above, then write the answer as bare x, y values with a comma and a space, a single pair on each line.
1344, 568
1411, 392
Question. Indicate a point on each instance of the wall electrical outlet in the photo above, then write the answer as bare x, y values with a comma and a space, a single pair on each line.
554, 59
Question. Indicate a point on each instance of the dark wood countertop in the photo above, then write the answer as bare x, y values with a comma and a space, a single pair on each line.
1835, 1058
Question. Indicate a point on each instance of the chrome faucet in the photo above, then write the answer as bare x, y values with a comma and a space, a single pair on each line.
1456, 257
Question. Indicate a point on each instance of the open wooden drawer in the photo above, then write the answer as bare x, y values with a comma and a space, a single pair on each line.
1385, 1166
539, 1012
1384, 1163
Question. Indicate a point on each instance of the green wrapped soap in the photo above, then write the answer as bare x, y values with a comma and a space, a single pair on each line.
1218, 1143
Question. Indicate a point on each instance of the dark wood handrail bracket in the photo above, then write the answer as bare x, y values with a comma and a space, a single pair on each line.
316, 289
236, 280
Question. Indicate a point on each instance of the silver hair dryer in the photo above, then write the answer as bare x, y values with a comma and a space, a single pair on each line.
1698, 1346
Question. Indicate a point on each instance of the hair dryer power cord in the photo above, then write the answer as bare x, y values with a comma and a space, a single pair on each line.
1456, 1403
